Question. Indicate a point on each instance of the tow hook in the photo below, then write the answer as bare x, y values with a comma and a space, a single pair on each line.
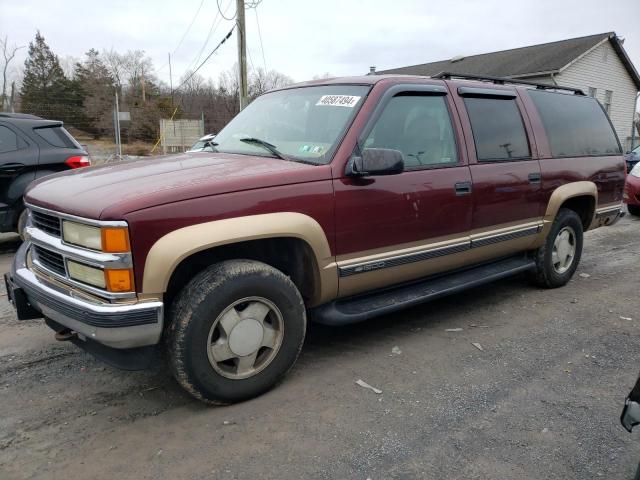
65, 335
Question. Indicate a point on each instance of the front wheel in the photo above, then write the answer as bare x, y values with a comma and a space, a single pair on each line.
558, 258
236, 329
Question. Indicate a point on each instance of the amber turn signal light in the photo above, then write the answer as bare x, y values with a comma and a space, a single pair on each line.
119, 280
115, 240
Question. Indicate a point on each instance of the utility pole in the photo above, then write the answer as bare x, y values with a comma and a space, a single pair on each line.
116, 119
144, 98
242, 53
170, 80
13, 90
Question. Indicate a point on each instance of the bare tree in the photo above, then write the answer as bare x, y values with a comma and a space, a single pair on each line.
8, 53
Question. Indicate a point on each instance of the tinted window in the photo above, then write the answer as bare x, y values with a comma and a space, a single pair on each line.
8, 140
498, 130
57, 136
420, 127
575, 125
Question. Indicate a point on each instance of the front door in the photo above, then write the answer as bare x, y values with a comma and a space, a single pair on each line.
390, 229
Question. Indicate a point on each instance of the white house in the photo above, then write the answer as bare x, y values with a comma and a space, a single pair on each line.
597, 64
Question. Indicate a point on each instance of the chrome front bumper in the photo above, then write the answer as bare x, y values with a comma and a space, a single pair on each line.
119, 326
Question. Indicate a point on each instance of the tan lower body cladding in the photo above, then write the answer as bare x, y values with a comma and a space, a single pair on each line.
379, 268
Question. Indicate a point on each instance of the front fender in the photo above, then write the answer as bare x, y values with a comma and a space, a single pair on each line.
167, 253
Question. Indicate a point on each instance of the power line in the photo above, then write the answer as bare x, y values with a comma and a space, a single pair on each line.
184, 35
189, 27
260, 37
222, 14
212, 30
208, 57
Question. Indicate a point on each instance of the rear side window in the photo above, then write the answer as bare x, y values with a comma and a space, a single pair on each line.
498, 130
575, 125
57, 137
8, 140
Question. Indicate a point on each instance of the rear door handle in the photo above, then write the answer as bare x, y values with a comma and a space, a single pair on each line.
463, 188
11, 167
534, 177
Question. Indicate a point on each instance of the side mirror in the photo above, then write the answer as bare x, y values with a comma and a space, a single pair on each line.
376, 161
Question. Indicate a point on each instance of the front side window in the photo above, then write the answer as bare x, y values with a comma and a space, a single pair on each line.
498, 130
302, 124
8, 140
575, 125
420, 127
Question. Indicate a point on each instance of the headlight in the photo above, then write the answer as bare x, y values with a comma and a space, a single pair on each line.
105, 239
84, 273
635, 171
82, 235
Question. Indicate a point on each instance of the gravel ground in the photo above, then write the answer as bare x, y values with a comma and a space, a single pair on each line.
541, 400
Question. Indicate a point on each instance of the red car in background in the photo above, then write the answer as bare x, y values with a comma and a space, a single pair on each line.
632, 191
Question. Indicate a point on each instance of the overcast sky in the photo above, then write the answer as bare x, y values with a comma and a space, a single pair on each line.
303, 38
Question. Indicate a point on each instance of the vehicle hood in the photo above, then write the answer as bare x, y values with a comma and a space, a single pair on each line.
111, 191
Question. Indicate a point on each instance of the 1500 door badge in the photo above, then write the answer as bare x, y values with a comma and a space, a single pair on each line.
369, 267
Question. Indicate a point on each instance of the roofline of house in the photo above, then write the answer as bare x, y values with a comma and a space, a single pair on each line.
617, 46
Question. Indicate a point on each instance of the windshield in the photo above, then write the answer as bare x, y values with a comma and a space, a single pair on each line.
303, 124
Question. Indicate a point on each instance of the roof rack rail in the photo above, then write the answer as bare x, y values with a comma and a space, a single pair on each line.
503, 80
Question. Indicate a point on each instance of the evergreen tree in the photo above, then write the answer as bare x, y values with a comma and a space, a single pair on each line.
45, 90
97, 87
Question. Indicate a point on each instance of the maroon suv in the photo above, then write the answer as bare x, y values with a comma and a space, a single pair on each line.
335, 200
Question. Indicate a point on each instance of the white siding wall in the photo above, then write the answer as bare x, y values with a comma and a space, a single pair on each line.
602, 69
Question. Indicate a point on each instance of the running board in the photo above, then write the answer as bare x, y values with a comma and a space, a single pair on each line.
363, 307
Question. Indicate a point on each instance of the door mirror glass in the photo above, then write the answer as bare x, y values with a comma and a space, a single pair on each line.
376, 161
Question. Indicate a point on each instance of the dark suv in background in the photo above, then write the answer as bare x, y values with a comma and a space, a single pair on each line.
30, 148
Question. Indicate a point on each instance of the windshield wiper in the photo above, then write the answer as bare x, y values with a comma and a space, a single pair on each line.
272, 148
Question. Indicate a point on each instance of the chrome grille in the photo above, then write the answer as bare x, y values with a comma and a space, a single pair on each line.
45, 222
50, 260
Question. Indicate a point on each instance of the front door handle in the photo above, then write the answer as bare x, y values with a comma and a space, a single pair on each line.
534, 177
462, 188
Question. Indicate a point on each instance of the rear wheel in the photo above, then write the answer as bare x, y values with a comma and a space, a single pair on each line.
558, 258
634, 210
236, 330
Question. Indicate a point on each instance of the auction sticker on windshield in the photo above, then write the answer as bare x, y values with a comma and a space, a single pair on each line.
349, 101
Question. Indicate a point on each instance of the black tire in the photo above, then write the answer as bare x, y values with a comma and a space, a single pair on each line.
634, 210
205, 299
546, 275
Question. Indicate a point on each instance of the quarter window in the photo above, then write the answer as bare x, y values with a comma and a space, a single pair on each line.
420, 127
498, 130
8, 140
575, 125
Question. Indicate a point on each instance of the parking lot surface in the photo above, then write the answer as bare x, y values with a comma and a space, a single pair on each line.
505, 381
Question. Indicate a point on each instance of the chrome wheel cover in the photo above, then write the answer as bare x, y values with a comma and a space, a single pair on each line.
564, 250
245, 338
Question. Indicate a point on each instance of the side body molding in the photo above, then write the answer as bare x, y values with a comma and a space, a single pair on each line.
561, 195
167, 253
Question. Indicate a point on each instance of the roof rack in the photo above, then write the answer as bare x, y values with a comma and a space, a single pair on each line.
503, 80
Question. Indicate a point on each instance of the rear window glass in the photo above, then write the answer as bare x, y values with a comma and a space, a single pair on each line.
576, 125
498, 130
57, 136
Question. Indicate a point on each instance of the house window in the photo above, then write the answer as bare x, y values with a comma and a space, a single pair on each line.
593, 92
608, 94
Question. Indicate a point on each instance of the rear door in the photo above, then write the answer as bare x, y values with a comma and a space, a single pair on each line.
395, 228
504, 167
18, 162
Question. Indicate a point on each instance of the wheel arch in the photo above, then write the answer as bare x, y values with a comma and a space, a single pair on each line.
582, 197
289, 241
